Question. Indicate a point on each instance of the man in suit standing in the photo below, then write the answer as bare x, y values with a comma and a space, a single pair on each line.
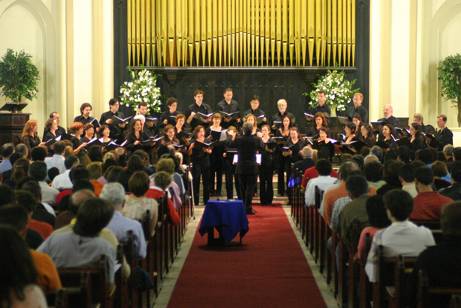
247, 168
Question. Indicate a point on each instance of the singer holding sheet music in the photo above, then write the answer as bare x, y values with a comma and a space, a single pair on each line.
282, 135
85, 116
169, 116
199, 152
112, 119
229, 109
247, 168
282, 106
76, 131
266, 170
199, 113
256, 111
386, 139
51, 130
216, 134
135, 136
29, 135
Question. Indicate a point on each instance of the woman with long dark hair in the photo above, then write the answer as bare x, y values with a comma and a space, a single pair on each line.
18, 276
199, 153
135, 136
282, 135
319, 121
266, 170
386, 139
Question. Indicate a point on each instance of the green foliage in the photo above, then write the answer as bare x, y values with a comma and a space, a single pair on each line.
450, 77
338, 90
18, 76
141, 88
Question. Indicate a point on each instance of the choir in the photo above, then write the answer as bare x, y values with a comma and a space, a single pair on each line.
205, 138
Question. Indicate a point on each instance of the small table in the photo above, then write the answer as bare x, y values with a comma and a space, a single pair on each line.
228, 217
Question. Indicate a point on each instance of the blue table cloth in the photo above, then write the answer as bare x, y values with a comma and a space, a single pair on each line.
228, 217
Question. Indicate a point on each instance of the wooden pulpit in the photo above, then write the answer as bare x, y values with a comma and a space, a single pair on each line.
11, 125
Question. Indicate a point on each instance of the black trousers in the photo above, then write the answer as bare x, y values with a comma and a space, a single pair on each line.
199, 171
216, 169
266, 190
231, 178
247, 188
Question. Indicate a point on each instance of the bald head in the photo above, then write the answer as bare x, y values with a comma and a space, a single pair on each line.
388, 110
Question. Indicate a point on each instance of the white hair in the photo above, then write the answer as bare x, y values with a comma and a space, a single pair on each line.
113, 193
140, 117
282, 101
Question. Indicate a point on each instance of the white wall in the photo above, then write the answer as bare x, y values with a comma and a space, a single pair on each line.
71, 42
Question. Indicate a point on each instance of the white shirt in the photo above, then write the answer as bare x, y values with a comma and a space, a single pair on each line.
410, 188
55, 161
337, 208
400, 238
62, 181
323, 182
48, 193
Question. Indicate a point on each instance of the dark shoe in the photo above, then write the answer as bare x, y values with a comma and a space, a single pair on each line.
251, 212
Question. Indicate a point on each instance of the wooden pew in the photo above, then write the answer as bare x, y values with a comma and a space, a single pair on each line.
426, 291
92, 282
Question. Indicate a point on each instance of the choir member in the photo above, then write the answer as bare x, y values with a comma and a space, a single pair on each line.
169, 116
85, 115
323, 144
142, 109
282, 134
367, 137
88, 132
182, 132
282, 106
229, 109
349, 144
443, 135
60, 130
104, 135
150, 130
135, 135
417, 140
75, 133
266, 170
388, 116
320, 120
419, 119
29, 135
169, 142
216, 134
229, 166
357, 108
199, 153
386, 140
322, 104
357, 121
51, 130
256, 111
112, 118
250, 118
294, 145
199, 113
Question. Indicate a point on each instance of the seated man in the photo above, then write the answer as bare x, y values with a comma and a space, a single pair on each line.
114, 193
38, 171
323, 181
454, 191
442, 263
402, 237
82, 245
428, 203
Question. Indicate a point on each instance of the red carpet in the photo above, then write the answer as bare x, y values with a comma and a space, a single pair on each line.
269, 270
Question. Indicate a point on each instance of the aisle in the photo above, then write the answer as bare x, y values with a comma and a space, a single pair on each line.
269, 270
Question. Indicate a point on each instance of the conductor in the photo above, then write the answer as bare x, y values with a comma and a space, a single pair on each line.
247, 168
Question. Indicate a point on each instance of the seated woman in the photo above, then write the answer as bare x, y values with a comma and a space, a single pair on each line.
18, 277
323, 144
377, 219
319, 121
137, 205
29, 135
386, 140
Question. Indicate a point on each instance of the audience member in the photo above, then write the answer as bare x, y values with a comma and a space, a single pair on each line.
454, 190
322, 182
57, 160
407, 179
62, 181
38, 171
137, 204
427, 205
373, 171
402, 237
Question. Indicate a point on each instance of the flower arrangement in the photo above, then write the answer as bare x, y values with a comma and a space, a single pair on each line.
338, 90
141, 88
